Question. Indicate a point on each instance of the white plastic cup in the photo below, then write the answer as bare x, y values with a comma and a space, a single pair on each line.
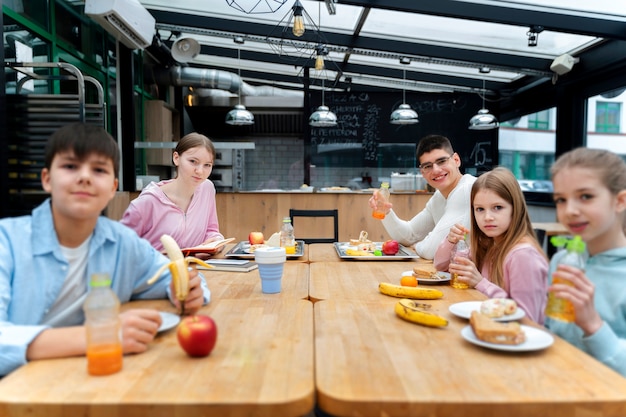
271, 261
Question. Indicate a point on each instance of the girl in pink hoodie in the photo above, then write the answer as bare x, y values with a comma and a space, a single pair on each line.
183, 207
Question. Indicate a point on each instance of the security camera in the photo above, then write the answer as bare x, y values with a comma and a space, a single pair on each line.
563, 64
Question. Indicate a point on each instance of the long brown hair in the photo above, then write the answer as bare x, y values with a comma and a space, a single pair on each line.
484, 249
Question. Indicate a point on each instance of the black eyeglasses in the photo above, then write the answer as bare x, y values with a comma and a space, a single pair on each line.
428, 166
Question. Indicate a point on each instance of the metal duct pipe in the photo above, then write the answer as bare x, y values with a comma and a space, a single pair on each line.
196, 77
213, 79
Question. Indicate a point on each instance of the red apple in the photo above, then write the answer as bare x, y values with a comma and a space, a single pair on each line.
390, 247
197, 335
256, 238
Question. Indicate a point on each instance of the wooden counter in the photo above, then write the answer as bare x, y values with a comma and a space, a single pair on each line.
241, 213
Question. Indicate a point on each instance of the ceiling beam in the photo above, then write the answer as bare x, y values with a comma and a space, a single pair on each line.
509, 13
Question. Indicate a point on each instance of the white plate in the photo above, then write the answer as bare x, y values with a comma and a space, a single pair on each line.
445, 278
464, 310
536, 339
169, 320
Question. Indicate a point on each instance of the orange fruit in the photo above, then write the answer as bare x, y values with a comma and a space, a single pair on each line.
408, 281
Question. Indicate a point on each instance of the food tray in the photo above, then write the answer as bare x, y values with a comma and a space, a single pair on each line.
403, 253
242, 250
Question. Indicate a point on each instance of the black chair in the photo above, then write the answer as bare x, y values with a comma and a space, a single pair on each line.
541, 237
316, 213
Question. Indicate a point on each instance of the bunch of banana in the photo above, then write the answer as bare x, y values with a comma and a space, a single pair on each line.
419, 293
414, 312
177, 266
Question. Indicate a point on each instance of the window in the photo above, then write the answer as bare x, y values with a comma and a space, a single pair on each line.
608, 117
539, 120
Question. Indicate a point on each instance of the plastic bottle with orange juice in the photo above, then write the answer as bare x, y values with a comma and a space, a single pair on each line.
383, 197
559, 308
461, 250
102, 324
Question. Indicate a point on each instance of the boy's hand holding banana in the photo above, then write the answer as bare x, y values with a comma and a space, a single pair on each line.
182, 280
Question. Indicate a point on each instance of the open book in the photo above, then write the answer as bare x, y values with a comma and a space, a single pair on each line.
234, 265
209, 248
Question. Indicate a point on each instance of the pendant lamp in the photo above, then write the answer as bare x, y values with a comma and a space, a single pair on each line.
404, 114
483, 120
239, 115
323, 117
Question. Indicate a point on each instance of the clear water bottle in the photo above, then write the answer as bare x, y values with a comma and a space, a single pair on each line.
383, 198
103, 327
287, 236
558, 308
460, 250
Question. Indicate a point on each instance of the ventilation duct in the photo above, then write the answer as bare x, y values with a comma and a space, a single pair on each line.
203, 78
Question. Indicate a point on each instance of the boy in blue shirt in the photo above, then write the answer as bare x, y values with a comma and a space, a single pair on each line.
46, 258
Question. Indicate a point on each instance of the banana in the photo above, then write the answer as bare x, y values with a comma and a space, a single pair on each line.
177, 266
412, 311
400, 291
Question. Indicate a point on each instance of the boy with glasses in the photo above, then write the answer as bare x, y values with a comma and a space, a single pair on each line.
449, 205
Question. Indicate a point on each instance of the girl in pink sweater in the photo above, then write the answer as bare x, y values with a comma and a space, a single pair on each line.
506, 259
183, 207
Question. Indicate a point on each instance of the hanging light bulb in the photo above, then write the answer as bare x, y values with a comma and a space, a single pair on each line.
483, 120
239, 115
298, 20
319, 62
319, 59
404, 114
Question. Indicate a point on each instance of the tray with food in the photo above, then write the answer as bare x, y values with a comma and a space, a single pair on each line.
363, 249
245, 250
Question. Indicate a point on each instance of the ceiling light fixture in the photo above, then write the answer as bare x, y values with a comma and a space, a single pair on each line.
404, 114
239, 115
185, 49
483, 120
323, 117
298, 28
533, 35
321, 52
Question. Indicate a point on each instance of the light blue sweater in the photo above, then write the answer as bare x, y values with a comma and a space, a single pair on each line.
607, 271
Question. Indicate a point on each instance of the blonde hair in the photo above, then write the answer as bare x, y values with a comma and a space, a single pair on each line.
610, 168
484, 249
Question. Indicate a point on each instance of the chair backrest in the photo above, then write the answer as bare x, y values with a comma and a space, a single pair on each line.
541, 237
316, 213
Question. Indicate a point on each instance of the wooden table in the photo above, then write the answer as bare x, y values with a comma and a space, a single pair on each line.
323, 252
247, 285
368, 362
262, 365
356, 280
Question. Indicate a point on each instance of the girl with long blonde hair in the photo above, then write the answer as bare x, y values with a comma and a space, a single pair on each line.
506, 258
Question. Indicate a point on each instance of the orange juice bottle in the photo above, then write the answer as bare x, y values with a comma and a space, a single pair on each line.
461, 249
558, 308
383, 197
288, 237
103, 329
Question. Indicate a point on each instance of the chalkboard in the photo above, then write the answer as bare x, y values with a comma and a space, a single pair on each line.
363, 129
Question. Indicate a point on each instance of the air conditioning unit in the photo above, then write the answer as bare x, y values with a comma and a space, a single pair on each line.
127, 20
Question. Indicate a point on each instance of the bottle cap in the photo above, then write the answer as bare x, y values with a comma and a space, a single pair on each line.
576, 244
384, 185
286, 219
100, 280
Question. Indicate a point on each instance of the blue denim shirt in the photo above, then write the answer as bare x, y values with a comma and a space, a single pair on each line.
33, 269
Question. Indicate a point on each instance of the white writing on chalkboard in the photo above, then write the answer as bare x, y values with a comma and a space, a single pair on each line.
370, 134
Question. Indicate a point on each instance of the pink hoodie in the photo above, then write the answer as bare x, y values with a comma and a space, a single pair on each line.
152, 214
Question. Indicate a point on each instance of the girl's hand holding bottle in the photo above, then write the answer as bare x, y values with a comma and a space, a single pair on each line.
457, 232
580, 292
466, 271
